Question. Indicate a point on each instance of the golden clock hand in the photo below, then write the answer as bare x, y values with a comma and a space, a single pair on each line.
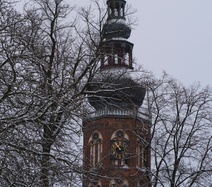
117, 145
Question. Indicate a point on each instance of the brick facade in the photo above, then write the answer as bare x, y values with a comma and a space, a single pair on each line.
105, 169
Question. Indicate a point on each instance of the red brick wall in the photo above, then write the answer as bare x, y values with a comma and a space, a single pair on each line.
107, 126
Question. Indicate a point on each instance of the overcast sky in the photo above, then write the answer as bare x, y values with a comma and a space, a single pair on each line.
173, 36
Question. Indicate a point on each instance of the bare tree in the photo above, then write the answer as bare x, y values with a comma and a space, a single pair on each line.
46, 63
181, 133
11, 110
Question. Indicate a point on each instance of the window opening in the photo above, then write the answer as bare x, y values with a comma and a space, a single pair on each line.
95, 142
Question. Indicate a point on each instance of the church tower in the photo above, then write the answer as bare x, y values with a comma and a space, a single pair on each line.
116, 134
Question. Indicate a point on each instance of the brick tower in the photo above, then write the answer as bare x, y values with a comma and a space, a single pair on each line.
116, 135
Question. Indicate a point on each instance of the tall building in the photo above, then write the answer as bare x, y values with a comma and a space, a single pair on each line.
116, 135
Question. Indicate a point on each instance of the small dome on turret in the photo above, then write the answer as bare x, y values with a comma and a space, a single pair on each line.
116, 29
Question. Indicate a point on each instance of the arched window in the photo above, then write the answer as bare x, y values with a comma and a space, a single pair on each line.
95, 142
119, 181
140, 152
116, 59
126, 58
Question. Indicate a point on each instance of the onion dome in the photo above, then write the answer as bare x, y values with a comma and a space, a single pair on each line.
116, 29
115, 91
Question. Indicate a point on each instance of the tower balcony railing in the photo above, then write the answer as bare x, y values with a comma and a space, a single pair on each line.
118, 112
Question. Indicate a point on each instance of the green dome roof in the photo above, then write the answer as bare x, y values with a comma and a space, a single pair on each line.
116, 29
116, 92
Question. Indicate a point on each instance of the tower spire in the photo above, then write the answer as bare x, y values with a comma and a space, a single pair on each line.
116, 50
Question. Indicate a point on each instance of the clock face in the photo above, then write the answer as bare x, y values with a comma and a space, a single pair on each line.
119, 149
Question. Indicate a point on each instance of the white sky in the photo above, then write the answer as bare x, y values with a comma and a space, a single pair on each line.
174, 36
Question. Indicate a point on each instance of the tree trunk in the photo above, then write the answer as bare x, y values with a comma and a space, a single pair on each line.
45, 165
